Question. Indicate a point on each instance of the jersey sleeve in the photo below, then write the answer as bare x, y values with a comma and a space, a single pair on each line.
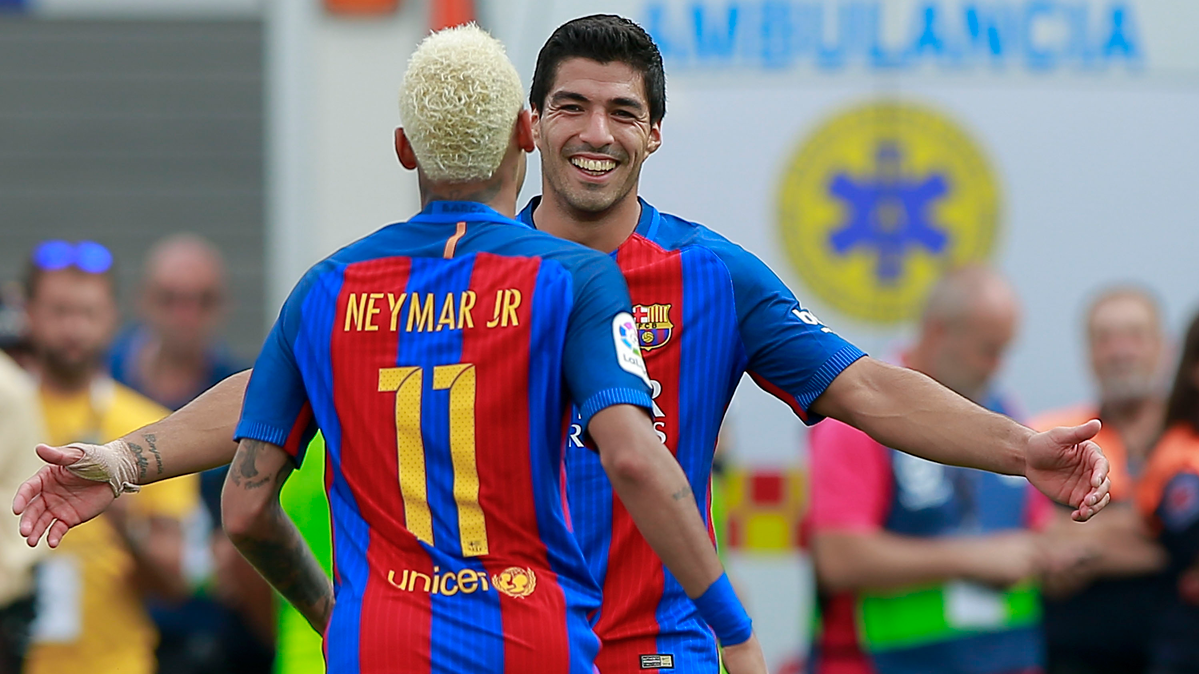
851, 480
1179, 516
601, 358
791, 354
276, 409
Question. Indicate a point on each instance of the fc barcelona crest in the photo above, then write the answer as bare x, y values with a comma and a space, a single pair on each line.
653, 325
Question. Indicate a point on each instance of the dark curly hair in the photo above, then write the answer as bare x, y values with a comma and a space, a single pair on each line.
605, 38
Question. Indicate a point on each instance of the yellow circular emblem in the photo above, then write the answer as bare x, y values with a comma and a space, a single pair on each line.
515, 581
879, 201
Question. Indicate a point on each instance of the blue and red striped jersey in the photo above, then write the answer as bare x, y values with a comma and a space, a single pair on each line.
706, 312
440, 357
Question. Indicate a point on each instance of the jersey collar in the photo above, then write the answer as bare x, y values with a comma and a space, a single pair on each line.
647, 224
458, 211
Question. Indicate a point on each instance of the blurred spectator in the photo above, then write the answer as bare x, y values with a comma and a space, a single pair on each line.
172, 357
90, 589
21, 421
1168, 496
934, 563
1125, 346
14, 337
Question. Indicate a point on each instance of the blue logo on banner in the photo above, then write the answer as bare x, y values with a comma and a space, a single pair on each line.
888, 212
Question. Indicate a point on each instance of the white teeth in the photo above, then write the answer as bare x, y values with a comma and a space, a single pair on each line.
594, 165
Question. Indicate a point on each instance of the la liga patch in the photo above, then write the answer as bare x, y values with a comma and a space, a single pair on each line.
624, 334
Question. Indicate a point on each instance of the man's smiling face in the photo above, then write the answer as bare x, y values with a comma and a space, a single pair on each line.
594, 133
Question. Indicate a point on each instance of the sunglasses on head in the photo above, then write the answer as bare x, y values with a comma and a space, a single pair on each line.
87, 256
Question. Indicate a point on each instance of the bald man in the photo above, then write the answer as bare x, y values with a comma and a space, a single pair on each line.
172, 356
933, 562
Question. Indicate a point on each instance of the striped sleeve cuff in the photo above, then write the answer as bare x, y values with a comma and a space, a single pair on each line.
610, 397
263, 432
820, 381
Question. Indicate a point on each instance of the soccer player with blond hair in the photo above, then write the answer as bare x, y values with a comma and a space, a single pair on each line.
440, 356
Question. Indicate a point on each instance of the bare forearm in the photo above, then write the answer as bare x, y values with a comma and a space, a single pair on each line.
908, 411
157, 553
652, 487
1119, 540
197, 437
882, 560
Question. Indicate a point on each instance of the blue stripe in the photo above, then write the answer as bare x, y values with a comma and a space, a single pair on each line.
350, 532
552, 298
708, 374
589, 493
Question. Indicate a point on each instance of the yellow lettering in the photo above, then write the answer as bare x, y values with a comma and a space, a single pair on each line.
465, 304
412, 581
436, 579
445, 585
447, 313
354, 311
483, 582
499, 303
394, 304
403, 579
468, 581
371, 310
423, 317
511, 302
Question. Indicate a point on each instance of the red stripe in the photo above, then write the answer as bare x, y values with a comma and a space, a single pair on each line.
394, 625
636, 578
303, 421
780, 394
534, 626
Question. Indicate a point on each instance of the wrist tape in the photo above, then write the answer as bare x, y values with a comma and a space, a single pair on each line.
113, 463
721, 609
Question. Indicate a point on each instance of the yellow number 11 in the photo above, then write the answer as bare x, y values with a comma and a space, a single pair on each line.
408, 383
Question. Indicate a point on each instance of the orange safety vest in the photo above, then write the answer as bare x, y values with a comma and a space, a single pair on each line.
1177, 452
1123, 486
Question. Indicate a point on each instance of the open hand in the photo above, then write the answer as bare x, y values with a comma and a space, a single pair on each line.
1068, 467
55, 499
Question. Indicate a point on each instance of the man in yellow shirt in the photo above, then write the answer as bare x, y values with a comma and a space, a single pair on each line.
90, 612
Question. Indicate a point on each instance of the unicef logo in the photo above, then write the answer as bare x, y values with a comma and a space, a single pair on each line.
879, 201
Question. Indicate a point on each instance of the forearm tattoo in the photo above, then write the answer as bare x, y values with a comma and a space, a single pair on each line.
276, 548
139, 456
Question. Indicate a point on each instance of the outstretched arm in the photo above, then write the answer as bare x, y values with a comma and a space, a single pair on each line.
265, 536
908, 411
81, 480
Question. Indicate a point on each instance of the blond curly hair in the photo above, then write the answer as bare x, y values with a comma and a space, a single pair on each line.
458, 104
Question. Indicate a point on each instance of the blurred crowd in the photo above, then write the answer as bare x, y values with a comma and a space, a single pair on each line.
920, 567
924, 568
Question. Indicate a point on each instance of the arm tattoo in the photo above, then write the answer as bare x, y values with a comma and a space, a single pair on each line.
275, 547
244, 471
681, 494
285, 561
150, 440
142, 462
